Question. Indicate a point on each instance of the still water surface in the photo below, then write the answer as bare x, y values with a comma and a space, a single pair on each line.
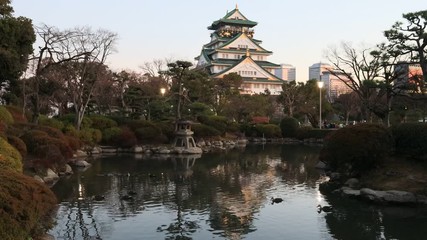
220, 196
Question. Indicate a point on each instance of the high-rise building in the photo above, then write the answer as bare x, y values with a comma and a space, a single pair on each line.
286, 72
335, 83
315, 70
233, 49
408, 74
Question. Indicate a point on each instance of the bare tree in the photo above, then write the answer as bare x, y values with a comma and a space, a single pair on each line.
154, 67
77, 45
369, 73
90, 70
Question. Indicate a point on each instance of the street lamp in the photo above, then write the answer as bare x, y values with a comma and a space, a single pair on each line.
162, 91
320, 85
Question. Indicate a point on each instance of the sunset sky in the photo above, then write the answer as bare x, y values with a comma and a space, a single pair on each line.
298, 32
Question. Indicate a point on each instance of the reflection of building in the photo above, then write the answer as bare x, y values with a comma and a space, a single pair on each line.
334, 82
286, 72
408, 74
232, 49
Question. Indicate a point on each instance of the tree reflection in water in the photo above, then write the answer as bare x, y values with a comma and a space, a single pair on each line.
217, 195
181, 228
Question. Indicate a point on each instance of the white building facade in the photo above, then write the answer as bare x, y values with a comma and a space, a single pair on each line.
232, 49
335, 83
286, 72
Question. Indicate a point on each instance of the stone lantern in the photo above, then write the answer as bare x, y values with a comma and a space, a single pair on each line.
184, 141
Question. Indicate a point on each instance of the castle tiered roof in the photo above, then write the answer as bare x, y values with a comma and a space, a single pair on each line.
233, 49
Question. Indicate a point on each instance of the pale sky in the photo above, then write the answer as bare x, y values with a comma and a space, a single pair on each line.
297, 32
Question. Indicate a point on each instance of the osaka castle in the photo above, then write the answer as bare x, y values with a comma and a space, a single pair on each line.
233, 49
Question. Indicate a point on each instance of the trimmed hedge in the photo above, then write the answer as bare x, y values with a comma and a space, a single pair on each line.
25, 206
51, 122
17, 114
5, 116
71, 119
289, 127
102, 122
126, 138
220, 123
202, 130
37, 140
90, 136
10, 158
110, 134
411, 140
17, 143
268, 130
356, 149
309, 132
261, 130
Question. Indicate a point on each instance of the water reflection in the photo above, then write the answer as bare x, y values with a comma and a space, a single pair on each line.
219, 195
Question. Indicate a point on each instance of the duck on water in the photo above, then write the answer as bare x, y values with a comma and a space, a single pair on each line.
321, 208
276, 200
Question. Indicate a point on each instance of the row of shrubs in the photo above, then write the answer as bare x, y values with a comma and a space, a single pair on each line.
360, 148
25, 203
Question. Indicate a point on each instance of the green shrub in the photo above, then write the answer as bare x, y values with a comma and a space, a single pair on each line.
220, 123
25, 206
167, 129
249, 130
50, 122
90, 136
198, 108
110, 134
135, 124
268, 130
411, 140
102, 122
70, 130
71, 119
147, 134
17, 114
289, 127
10, 157
3, 129
309, 132
5, 116
357, 149
202, 130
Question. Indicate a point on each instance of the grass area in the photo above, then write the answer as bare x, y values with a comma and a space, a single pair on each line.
398, 174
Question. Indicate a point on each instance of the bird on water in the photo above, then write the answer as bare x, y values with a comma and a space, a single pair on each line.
321, 208
276, 200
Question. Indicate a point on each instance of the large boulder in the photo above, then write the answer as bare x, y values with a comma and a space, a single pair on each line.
81, 163
391, 196
51, 176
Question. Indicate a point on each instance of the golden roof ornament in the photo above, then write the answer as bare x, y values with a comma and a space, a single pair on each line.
237, 8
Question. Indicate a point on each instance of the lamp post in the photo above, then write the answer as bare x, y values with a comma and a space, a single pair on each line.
162, 91
320, 85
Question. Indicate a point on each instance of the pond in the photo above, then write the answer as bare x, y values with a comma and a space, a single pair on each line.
219, 196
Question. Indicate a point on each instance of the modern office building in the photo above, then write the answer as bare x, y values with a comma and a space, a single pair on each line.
286, 72
233, 49
334, 82
408, 74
